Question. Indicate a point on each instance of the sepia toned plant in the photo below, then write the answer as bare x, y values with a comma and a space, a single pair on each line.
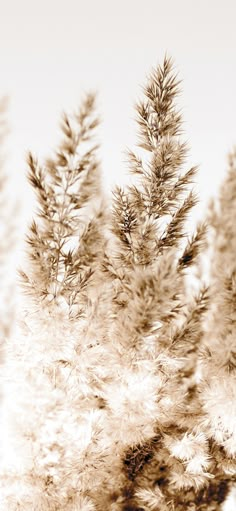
119, 381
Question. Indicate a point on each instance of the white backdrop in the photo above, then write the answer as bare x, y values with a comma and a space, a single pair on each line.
51, 51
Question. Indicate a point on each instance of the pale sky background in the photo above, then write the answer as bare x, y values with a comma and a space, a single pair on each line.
52, 51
